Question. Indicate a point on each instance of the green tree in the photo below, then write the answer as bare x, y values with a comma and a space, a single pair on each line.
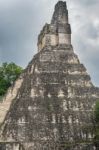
8, 74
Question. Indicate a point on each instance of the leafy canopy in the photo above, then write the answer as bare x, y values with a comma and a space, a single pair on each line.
8, 74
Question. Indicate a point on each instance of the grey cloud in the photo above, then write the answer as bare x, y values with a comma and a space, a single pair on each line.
20, 25
85, 38
86, 2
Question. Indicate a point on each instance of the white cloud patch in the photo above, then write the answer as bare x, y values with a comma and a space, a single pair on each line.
22, 20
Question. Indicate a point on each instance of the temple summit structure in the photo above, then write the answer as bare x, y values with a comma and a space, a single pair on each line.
51, 105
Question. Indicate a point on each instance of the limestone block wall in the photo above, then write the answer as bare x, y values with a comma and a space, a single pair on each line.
39, 46
64, 38
55, 100
54, 39
43, 42
58, 31
48, 39
49, 146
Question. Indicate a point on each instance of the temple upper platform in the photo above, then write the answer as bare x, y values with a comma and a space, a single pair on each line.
58, 31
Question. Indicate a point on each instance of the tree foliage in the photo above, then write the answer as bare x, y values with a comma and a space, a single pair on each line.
8, 74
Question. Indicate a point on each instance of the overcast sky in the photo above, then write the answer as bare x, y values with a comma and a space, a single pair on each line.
22, 20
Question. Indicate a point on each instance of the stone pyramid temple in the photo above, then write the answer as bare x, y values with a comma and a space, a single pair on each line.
51, 105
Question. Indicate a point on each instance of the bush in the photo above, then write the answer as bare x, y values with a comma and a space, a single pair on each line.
8, 74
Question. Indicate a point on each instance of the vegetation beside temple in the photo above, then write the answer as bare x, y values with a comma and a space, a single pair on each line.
9, 72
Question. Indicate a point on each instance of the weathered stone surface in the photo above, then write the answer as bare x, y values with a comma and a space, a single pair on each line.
59, 31
53, 109
7, 100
